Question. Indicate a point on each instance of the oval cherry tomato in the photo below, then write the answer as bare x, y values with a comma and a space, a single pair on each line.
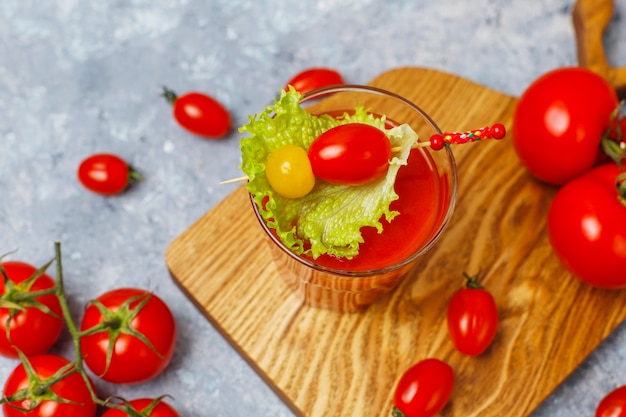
613, 404
162, 409
559, 121
350, 154
472, 318
424, 389
199, 113
314, 78
587, 228
72, 388
106, 174
33, 330
133, 315
289, 172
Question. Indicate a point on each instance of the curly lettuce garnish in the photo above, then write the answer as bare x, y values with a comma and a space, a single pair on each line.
329, 219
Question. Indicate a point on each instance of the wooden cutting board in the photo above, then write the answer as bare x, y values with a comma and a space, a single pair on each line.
329, 364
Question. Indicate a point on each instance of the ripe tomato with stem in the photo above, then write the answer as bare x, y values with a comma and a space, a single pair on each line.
30, 313
199, 113
106, 174
557, 129
472, 317
144, 407
587, 226
28, 392
127, 335
424, 389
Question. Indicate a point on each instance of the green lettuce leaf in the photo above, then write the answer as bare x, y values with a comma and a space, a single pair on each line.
329, 219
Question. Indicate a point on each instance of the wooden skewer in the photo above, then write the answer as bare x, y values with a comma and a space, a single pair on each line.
394, 149
437, 142
238, 179
414, 146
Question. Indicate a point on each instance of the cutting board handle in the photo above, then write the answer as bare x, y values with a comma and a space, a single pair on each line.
591, 18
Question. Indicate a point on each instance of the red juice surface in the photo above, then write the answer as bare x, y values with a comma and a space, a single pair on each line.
422, 194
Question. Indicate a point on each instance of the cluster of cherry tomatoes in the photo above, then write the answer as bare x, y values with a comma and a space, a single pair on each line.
201, 115
569, 132
472, 319
126, 336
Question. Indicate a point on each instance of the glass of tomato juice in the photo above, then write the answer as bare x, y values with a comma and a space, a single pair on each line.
426, 186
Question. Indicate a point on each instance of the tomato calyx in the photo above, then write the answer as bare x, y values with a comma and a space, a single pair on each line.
472, 281
38, 389
118, 322
18, 296
169, 95
131, 411
614, 146
397, 413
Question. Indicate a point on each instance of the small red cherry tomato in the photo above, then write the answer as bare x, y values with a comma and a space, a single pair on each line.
106, 174
424, 389
314, 78
613, 404
161, 409
199, 114
472, 318
33, 330
587, 228
556, 127
350, 154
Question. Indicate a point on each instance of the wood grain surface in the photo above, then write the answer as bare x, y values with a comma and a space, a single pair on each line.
329, 364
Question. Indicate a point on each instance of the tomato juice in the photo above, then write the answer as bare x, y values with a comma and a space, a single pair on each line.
426, 188
422, 207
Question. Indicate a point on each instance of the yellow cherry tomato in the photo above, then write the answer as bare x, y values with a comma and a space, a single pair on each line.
289, 171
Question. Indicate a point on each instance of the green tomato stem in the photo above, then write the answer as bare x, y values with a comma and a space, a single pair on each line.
472, 280
78, 354
169, 95
397, 413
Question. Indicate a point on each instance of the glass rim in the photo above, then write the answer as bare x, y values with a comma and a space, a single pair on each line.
339, 88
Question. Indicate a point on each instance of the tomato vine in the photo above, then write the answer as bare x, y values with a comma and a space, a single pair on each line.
44, 372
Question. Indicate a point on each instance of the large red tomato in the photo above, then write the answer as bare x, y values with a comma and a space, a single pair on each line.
559, 121
587, 228
132, 336
32, 329
72, 389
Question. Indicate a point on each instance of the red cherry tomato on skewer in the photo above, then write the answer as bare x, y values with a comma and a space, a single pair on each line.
350, 154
